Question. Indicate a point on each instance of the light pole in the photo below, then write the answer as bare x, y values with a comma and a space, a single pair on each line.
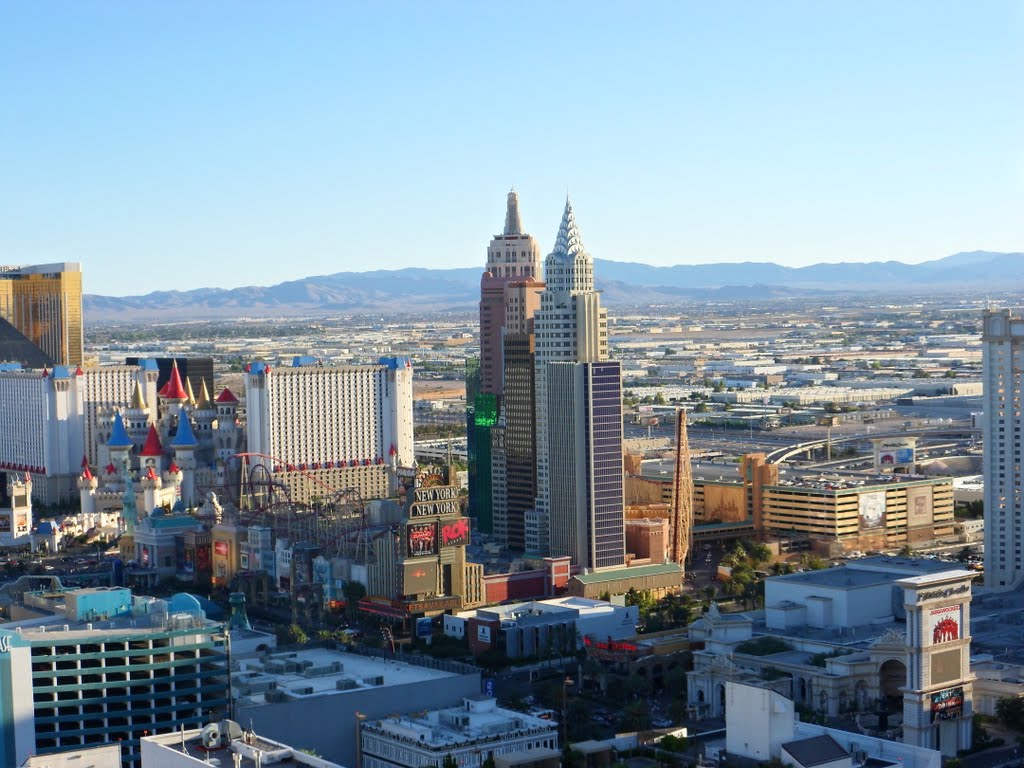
565, 723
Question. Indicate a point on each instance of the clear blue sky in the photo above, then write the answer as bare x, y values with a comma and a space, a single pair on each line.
186, 144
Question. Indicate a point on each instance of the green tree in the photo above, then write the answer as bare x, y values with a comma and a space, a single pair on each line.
449, 762
1010, 711
295, 635
906, 551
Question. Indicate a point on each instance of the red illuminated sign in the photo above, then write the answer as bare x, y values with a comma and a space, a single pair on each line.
455, 533
220, 548
610, 645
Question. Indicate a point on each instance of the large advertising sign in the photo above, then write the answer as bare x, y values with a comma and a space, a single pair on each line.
434, 501
895, 452
203, 558
919, 506
724, 504
420, 577
948, 704
871, 507
944, 624
421, 539
455, 533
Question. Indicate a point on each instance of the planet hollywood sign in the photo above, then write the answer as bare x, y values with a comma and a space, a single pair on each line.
941, 593
435, 501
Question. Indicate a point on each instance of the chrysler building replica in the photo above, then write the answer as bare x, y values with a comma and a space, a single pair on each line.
579, 506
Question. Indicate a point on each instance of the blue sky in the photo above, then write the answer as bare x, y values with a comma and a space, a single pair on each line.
174, 145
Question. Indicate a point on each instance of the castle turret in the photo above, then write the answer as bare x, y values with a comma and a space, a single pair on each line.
228, 431
152, 453
151, 483
173, 395
87, 485
136, 416
204, 417
120, 446
184, 445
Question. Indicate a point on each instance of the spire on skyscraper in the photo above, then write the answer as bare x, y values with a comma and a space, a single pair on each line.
513, 225
569, 240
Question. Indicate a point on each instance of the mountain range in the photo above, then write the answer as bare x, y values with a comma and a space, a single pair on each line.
426, 290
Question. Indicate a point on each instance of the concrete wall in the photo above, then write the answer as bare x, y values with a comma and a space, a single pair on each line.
327, 723
758, 721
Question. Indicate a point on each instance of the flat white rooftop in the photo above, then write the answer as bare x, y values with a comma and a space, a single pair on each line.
318, 672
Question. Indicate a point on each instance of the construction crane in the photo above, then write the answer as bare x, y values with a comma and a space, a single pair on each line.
682, 501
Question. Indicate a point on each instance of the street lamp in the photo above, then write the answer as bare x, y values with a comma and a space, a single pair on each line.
565, 723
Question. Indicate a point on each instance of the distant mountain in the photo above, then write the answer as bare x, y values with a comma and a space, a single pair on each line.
426, 290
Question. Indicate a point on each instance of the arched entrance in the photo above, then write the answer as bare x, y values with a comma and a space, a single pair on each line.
891, 678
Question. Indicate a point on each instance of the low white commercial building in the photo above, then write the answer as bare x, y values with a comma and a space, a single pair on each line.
761, 724
471, 734
226, 743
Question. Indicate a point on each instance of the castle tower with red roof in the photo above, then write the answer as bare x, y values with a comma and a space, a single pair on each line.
228, 432
152, 453
87, 485
173, 396
151, 483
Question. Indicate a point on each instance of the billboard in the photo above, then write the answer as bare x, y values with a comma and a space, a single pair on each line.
944, 624
871, 507
948, 704
420, 577
483, 633
220, 548
724, 503
421, 539
203, 558
919, 506
894, 452
455, 533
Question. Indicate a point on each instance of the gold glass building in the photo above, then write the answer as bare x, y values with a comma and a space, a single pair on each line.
44, 302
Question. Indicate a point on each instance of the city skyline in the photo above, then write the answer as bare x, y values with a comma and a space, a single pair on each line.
240, 146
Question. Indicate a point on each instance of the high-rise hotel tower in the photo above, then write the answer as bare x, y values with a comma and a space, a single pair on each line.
578, 394
1003, 361
43, 303
508, 296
